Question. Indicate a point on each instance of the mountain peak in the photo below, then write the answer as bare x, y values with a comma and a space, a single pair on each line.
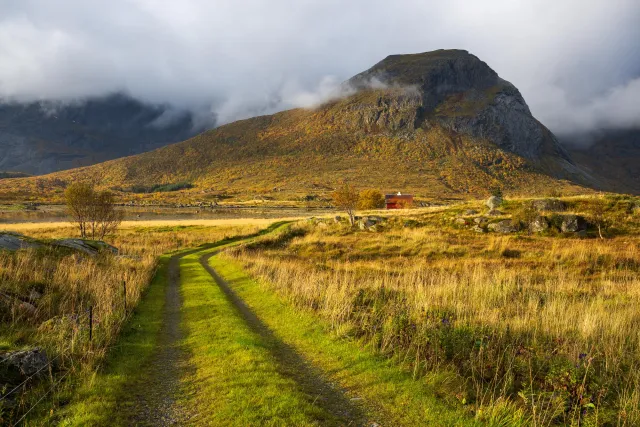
430, 70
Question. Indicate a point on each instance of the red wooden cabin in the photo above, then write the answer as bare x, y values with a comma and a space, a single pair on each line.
398, 201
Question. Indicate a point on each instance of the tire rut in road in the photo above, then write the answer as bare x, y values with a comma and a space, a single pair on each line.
156, 398
293, 365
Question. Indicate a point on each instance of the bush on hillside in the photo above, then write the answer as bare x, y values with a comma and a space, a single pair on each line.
370, 199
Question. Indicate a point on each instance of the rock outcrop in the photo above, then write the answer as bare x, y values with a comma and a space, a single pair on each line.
504, 226
456, 90
13, 242
539, 224
89, 247
493, 202
17, 366
572, 224
549, 205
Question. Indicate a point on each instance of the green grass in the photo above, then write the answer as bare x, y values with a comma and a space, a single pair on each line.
96, 400
390, 392
234, 379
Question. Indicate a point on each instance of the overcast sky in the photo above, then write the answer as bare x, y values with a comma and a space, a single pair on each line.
577, 62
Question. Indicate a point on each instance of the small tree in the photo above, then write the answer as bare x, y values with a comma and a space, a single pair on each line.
599, 217
496, 191
370, 199
346, 198
93, 212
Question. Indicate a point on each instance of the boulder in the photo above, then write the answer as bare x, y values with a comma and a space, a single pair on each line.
470, 212
493, 202
13, 242
539, 224
460, 221
376, 219
549, 205
366, 224
478, 229
89, 247
495, 212
504, 226
34, 295
480, 220
572, 224
16, 366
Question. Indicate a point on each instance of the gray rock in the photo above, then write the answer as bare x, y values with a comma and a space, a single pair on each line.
366, 224
504, 226
13, 242
470, 212
549, 205
480, 220
34, 295
493, 202
89, 247
572, 223
478, 229
376, 219
495, 212
16, 366
539, 224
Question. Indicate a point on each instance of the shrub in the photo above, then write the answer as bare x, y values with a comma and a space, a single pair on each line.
93, 212
496, 191
370, 199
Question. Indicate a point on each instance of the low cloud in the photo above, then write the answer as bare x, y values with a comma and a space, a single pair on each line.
576, 62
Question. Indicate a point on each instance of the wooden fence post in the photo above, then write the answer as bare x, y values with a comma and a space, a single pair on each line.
124, 287
90, 323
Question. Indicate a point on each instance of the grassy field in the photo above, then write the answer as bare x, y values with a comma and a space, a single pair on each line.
420, 319
67, 284
387, 394
540, 327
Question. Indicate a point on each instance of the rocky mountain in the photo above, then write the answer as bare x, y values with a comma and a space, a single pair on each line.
457, 91
436, 123
612, 155
42, 137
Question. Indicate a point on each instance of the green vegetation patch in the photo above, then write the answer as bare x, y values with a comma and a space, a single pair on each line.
234, 378
389, 392
157, 188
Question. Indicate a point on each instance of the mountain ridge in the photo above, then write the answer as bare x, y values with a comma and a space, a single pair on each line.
448, 125
45, 136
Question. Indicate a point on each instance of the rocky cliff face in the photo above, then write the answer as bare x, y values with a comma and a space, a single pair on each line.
457, 91
43, 137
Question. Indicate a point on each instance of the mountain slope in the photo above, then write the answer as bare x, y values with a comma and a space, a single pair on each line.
437, 123
43, 137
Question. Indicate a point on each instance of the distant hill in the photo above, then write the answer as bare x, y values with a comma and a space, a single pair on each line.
436, 123
612, 155
8, 174
43, 137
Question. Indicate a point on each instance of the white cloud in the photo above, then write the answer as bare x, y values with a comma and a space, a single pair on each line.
574, 60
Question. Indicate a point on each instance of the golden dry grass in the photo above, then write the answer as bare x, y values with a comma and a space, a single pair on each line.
43, 227
541, 324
